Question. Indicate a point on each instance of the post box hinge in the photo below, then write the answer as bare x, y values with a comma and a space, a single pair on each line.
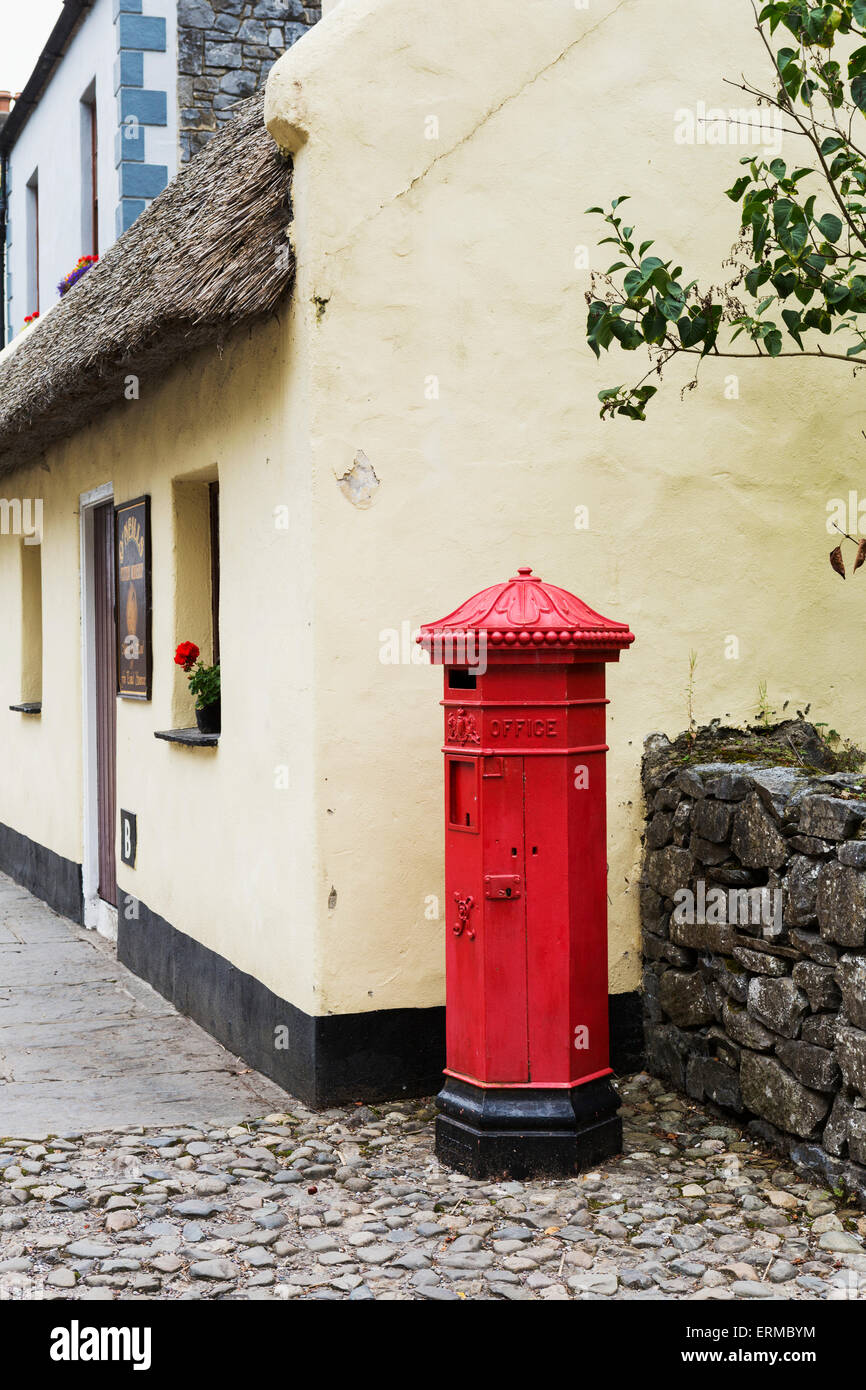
464, 909
502, 886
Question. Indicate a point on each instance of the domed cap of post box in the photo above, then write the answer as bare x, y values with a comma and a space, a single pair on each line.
525, 615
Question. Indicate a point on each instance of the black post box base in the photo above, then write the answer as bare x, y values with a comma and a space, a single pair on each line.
527, 1133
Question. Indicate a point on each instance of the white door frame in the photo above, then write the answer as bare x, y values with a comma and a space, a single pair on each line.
98, 914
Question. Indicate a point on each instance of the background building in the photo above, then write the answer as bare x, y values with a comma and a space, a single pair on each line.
124, 92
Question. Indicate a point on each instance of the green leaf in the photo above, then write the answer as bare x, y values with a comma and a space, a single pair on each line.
858, 10
858, 347
672, 302
840, 164
858, 92
814, 263
791, 228
736, 192
654, 325
692, 330
599, 333
773, 342
820, 319
628, 337
634, 284
760, 232
757, 276
830, 226
792, 323
784, 283
836, 294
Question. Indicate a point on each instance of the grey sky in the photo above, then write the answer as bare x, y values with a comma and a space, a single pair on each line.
24, 27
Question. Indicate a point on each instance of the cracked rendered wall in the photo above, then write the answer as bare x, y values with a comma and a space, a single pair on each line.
444, 159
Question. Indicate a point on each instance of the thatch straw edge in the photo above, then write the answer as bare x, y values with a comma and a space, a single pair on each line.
209, 255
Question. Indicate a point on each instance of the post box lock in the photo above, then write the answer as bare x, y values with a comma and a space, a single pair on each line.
501, 886
464, 908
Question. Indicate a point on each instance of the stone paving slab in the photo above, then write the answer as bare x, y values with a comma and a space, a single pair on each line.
66, 964
85, 1044
86, 1049
58, 1004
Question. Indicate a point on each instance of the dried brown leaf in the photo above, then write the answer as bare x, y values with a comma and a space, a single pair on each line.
837, 562
861, 556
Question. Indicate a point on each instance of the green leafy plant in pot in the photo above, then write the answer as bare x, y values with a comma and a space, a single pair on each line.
204, 682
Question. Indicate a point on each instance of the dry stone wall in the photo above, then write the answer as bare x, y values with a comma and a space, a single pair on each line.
753, 911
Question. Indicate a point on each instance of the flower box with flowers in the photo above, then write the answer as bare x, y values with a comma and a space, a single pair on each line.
82, 265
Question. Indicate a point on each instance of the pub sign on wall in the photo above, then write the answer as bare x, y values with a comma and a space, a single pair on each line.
133, 598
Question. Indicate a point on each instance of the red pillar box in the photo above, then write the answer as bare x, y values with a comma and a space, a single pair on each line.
528, 1088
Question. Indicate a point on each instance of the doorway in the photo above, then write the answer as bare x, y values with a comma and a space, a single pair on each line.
99, 665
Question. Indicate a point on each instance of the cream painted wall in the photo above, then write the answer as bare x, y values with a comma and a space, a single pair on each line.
454, 258
224, 852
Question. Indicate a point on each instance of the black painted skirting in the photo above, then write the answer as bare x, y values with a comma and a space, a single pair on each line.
627, 1046
57, 881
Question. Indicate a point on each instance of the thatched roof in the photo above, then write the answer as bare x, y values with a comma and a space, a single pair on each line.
207, 256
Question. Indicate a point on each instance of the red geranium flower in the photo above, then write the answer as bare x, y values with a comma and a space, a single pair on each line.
186, 655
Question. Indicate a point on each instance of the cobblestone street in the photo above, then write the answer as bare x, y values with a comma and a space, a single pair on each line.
206, 1202
351, 1203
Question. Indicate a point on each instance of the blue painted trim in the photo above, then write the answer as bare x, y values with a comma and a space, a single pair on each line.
127, 211
128, 147
141, 31
137, 107
129, 70
146, 105
142, 180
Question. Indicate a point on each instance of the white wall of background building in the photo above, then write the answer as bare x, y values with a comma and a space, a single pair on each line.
50, 159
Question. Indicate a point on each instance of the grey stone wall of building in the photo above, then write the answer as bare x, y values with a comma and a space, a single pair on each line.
226, 48
753, 913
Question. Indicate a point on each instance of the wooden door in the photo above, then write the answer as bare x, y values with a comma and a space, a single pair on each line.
106, 697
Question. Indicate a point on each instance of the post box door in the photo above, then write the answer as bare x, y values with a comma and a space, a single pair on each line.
504, 890
487, 1018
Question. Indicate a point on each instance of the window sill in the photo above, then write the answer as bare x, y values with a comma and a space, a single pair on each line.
32, 707
190, 738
